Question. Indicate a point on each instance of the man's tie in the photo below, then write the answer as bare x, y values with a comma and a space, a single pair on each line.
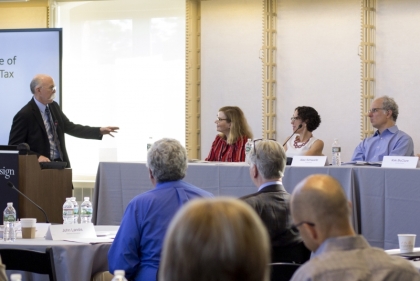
55, 151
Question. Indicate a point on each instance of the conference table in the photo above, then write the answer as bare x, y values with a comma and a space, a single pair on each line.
72, 260
385, 201
414, 262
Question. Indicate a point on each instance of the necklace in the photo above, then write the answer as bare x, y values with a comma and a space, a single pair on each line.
297, 140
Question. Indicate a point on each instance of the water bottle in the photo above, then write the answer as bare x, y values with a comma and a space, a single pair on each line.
16, 277
76, 210
68, 212
248, 147
149, 143
86, 211
9, 219
119, 275
336, 151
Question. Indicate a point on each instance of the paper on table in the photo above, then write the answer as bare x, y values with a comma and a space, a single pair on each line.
91, 240
41, 229
197, 161
361, 163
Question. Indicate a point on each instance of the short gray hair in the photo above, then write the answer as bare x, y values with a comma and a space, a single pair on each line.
167, 159
390, 104
34, 83
269, 157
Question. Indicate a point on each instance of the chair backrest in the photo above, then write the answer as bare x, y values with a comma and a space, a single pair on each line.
31, 261
283, 271
295, 253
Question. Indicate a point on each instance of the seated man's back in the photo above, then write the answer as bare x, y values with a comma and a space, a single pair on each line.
272, 206
138, 243
321, 213
267, 162
351, 258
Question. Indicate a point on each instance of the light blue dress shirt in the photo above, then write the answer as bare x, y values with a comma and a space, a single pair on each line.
392, 142
55, 153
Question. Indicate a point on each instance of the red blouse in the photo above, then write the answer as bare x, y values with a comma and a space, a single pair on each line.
223, 152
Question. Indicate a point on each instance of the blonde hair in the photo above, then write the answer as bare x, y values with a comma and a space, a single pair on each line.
219, 239
239, 126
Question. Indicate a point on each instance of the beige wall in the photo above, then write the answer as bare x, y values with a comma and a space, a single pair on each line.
317, 64
32, 14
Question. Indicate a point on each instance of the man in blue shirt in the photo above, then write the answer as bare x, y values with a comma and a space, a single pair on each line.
138, 243
387, 140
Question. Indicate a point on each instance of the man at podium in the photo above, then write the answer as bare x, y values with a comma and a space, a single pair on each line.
41, 124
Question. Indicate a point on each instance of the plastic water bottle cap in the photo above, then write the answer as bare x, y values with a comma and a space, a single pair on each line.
119, 272
86, 198
16, 277
10, 204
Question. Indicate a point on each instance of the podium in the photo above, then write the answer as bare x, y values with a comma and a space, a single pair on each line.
46, 187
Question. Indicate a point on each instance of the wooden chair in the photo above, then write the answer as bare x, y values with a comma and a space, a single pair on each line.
297, 253
30, 261
283, 271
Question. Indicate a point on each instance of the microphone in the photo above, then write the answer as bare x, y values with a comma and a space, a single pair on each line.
12, 186
23, 148
300, 126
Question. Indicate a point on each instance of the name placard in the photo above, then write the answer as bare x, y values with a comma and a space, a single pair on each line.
70, 231
309, 161
403, 162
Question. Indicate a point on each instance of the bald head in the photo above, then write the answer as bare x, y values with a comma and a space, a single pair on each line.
320, 199
37, 80
43, 88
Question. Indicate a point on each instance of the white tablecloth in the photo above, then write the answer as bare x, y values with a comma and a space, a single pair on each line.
73, 261
385, 201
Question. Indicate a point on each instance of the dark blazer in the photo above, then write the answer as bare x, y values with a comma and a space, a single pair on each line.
28, 127
272, 205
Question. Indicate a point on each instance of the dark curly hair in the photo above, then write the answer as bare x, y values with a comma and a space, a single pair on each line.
310, 116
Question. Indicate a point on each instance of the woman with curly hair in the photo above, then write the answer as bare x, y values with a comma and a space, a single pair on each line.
303, 142
234, 131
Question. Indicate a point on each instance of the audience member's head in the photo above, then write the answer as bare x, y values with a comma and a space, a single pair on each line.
215, 240
269, 158
167, 160
320, 210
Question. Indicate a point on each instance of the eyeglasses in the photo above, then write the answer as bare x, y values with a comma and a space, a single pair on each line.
294, 227
255, 150
294, 118
52, 88
373, 110
220, 119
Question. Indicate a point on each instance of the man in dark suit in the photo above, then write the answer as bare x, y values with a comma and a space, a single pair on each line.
267, 162
41, 124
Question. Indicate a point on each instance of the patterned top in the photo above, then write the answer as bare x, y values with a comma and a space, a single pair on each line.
292, 151
223, 152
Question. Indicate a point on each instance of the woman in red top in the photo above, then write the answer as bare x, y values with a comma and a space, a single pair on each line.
229, 145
